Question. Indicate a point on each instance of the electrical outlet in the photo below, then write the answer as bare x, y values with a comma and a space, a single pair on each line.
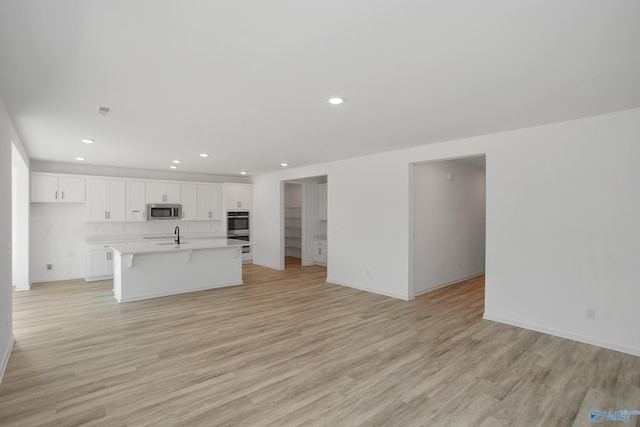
460, 265
49, 266
590, 313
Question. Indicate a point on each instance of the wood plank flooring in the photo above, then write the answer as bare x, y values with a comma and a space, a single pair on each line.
288, 349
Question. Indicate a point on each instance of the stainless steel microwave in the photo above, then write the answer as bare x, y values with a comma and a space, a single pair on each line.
163, 211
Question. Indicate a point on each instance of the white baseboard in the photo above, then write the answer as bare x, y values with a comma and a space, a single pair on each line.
564, 334
98, 278
453, 282
56, 279
5, 358
363, 288
267, 265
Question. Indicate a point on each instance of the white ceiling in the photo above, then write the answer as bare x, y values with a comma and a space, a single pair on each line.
248, 81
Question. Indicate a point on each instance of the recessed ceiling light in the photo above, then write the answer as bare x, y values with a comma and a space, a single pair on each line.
104, 111
79, 159
204, 155
176, 161
243, 173
284, 165
88, 141
173, 167
336, 100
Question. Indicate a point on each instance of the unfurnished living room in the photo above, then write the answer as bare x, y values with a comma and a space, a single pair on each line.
337, 213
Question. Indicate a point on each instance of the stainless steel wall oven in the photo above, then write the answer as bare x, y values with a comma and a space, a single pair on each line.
238, 224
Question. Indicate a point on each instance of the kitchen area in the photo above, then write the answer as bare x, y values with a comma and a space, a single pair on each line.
99, 228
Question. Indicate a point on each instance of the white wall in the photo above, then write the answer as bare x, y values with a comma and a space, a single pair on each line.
20, 226
562, 224
7, 135
57, 237
449, 223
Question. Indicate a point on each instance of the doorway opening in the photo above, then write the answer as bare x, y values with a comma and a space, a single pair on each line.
304, 222
448, 217
293, 201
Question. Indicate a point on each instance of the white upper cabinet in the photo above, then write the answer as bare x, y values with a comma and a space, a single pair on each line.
238, 197
57, 189
209, 202
105, 200
135, 205
188, 199
163, 192
322, 202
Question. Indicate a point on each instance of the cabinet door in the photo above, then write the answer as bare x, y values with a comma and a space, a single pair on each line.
116, 205
322, 202
44, 188
97, 200
172, 192
71, 190
210, 202
99, 264
238, 197
155, 192
105, 200
320, 252
188, 197
163, 192
135, 207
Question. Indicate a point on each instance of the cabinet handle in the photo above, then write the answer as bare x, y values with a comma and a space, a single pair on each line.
56, 194
62, 195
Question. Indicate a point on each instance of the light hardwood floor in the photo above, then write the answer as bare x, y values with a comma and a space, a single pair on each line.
288, 349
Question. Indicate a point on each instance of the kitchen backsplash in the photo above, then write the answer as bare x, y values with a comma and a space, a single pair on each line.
94, 229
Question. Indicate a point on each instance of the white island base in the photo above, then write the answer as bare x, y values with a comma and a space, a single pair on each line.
150, 271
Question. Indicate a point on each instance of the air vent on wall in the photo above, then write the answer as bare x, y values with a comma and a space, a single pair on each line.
104, 111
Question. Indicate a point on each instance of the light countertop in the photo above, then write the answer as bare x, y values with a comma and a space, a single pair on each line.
150, 237
185, 245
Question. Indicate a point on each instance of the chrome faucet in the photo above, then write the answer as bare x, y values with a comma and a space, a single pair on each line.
177, 231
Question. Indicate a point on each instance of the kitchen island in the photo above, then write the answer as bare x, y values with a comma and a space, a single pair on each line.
153, 269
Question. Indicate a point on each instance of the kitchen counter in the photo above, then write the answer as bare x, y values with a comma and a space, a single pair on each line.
186, 244
149, 237
143, 270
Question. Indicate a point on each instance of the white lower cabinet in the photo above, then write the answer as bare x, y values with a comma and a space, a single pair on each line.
99, 262
320, 252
